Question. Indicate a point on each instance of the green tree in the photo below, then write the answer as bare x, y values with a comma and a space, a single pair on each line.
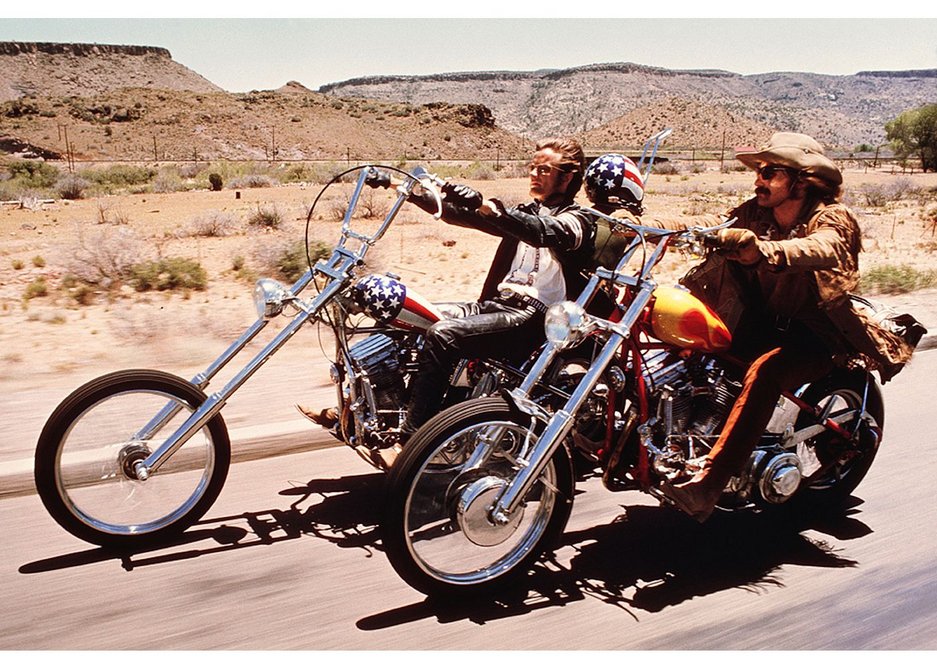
914, 132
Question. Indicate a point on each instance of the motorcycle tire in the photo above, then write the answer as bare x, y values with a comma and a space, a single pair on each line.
89, 444
841, 391
435, 527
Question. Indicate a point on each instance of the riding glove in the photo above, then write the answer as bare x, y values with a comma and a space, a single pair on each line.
462, 196
739, 244
377, 178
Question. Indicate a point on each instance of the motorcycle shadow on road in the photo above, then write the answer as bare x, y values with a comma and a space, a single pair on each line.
649, 558
343, 511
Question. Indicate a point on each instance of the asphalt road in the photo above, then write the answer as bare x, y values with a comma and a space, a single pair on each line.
289, 558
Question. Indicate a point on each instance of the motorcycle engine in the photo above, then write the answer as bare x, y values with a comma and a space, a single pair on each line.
693, 398
377, 362
693, 395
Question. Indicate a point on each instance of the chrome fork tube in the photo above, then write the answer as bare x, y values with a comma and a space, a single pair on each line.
562, 421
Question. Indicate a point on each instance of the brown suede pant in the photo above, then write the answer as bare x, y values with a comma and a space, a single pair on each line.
795, 357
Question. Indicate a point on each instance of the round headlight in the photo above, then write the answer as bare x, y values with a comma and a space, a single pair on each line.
564, 324
269, 298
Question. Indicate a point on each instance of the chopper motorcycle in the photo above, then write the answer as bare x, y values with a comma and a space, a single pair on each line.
136, 456
486, 487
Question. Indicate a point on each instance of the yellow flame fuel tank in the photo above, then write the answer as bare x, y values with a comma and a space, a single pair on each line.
680, 319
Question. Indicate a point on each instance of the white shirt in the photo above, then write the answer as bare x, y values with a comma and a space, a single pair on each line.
536, 272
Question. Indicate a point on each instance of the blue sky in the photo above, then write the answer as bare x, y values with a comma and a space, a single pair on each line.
241, 54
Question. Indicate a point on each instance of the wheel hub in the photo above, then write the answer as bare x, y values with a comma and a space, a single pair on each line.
129, 456
781, 478
474, 517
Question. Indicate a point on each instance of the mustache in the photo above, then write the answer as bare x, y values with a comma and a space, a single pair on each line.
762, 191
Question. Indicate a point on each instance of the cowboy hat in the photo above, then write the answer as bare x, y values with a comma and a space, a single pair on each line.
790, 149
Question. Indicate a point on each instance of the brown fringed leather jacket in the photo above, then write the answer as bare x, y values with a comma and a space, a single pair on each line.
807, 275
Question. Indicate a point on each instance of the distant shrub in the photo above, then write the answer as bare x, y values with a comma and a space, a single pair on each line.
119, 176
896, 279
214, 180
37, 288
478, 171
167, 182
78, 290
514, 170
373, 203
268, 217
288, 260
252, 181
71, 187
189, 170
337, 209
107, 215
302, 173
881, 194
18, 264
33, 173
39, 261
212, 224
168, 273
104, 257
18, 108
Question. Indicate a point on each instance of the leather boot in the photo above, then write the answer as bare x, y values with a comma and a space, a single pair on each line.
698, 496
426, 396
327, 417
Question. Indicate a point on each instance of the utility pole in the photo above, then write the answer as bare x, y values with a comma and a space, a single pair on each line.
69, 160
722, 155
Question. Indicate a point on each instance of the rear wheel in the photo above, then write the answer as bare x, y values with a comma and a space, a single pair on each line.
88, 447
844, 465
436, 528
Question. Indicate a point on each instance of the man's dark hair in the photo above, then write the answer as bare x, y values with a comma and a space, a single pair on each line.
818, 189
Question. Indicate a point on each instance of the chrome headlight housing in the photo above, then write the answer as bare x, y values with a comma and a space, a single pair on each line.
270, 296
565, 324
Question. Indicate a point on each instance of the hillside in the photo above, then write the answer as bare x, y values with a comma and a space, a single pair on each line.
841, 111
145, 124
60, 70
705, 125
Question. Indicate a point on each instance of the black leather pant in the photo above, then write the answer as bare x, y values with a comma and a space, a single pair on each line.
487, 329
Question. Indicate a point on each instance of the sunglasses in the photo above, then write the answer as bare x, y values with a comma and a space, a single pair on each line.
543, 170
768, 171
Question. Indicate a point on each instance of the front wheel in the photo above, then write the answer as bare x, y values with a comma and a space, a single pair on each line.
436, 527
87, 449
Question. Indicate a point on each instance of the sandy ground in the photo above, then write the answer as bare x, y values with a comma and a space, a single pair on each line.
50, 344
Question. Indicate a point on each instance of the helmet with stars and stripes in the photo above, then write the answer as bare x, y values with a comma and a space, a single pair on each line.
614, 179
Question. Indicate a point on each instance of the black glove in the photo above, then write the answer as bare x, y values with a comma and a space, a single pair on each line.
462, 196
377, 178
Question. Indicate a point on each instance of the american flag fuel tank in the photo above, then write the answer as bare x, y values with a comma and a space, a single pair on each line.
389, 302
